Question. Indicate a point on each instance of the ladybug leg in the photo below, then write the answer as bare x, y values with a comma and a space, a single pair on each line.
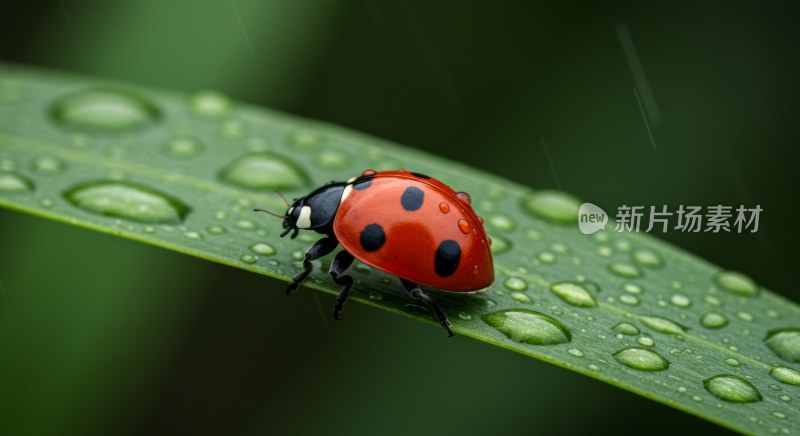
320, 248
416, 293
341, 262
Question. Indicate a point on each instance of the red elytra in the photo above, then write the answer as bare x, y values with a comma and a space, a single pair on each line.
404, 223
413, 235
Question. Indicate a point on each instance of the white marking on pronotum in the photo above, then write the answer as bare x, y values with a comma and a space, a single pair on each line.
346, 192
304, 220
289, 212
352, 179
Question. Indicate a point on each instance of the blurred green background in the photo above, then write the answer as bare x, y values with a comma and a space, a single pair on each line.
115, 337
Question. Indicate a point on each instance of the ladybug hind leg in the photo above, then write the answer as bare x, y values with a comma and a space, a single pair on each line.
340, 263
320, 248
416, 293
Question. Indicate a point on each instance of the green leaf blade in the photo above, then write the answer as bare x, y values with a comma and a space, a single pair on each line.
207, 159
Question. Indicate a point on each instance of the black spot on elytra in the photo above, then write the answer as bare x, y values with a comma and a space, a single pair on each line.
373, 237
412, 198
420, 175
448, 255
362, 183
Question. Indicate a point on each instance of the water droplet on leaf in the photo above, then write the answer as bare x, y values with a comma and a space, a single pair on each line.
785, 343
662, 325
104, 110
14, 184
626, 329
128, 201
528, 326
732, 389
554, 206
642, 359
713, 320
737, 283
573, 293
264, 172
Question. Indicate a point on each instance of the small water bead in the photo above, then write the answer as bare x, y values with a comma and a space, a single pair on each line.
183, 146
554, 206
647, 341
594, 367
711, 300
528, 326
575, 352
785, 398
245, 224
643, 359
573, 293
626, 328
737, 283
630, 300
375, 296
104, 110
47, 164
779, 415
625, 269
464, 226
248, 258
464, 197
632, 288
519, 297
128, 201
605, 251
501, 222
499, 244
193, 235
774, 314
332, 159
785, 375
46, 202
547, 257
745, 316
264, 172
465, 316
516, 284
785, 343
444, 207
714, 320
216, 229
732, 362
647, 258
662, 325
775, 387
298, 255
732, 389
11, 183
263, 249
210, 103
680, 300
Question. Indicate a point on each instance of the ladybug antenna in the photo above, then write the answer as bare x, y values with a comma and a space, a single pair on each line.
282, 198
271, 213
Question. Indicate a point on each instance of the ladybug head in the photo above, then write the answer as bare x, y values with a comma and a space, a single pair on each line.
297, 213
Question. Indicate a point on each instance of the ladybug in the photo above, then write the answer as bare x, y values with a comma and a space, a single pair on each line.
404, 223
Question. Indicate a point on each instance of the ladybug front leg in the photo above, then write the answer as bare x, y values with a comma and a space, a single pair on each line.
341, 262
320, 248
416, 293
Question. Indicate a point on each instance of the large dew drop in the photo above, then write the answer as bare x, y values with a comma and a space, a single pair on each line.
737, 283
264, 172
128, 201
785, 375
104, 110
14, 184
642, 359
554, 206
647, 258
785, 343
662, 325
714, 320
573, 293
528, 326
732, 388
